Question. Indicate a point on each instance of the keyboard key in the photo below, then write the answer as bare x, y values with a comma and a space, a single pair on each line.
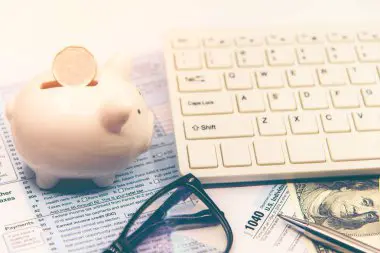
250, 102
250, 57
238, 80
366, 121
299, 77
279, 39
282, 101
210, 103
354, 148
199, 81
188, 60
362, 74
368, 52
218, 127
268, 152
271, 125
331, 76
218, 58
214, 41
344, 98
311, 55
369, 36
371, 97
335, 122
248, 41
341, 53
185, 42
303, 123
313, 99
280, 56
309, 38
235, 153
340, 37
306, 149
269, 79
202, 155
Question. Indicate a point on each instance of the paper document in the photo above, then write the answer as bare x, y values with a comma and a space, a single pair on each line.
252, 213
78, 217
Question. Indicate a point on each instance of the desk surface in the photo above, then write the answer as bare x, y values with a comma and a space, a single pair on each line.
33, 31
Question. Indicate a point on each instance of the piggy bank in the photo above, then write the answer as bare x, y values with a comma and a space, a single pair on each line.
90, 131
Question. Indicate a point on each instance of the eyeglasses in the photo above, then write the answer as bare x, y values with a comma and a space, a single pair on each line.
180, 217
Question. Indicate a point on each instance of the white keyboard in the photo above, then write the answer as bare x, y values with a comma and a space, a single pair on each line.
266, 104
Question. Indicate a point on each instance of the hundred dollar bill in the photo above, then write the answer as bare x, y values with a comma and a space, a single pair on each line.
351, 207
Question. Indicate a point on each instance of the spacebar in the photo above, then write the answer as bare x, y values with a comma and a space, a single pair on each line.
354, 148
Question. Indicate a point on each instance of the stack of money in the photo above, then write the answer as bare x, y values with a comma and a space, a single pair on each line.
351, 207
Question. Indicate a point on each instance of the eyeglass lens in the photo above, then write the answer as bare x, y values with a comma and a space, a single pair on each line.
183, 224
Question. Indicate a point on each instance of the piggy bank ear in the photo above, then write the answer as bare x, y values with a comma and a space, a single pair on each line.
114, 116
119, 65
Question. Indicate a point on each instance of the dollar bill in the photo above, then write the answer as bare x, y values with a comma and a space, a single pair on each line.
351, 207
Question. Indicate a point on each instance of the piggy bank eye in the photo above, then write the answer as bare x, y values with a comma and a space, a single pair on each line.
93, 83
138, 111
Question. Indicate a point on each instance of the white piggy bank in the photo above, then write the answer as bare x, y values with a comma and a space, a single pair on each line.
90, 132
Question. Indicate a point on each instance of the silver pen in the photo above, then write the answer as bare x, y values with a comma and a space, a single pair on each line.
328, 237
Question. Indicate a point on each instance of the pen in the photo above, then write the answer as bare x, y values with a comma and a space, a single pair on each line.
328, 237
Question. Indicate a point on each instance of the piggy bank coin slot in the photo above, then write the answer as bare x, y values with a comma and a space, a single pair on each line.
50, 84
55, 84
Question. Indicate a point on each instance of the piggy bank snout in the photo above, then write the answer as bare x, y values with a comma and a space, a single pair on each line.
114, 116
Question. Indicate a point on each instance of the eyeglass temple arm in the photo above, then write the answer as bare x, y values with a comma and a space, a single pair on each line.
187, 221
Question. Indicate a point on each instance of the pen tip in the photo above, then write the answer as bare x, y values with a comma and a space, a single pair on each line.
292, 220
284, 217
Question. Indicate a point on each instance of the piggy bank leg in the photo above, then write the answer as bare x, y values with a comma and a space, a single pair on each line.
104, 181
46, 181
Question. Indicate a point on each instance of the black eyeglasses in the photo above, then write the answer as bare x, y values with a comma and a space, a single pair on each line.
180, 217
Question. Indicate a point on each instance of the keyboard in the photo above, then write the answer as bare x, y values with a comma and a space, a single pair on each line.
275, 104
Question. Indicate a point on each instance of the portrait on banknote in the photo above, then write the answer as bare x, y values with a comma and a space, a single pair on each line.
350, 207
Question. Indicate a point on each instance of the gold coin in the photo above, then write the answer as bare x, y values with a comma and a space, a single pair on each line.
74, 66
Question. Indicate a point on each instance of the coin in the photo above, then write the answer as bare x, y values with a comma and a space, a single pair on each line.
74, 66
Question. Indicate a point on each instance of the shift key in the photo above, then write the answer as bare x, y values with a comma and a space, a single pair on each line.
223, 126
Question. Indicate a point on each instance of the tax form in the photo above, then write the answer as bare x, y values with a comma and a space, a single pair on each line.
83, 218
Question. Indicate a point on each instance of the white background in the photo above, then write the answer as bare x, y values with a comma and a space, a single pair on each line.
32, 31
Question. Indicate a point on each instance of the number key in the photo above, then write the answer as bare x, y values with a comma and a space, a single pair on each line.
188, 60
218, 58
250, 57
341, 53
